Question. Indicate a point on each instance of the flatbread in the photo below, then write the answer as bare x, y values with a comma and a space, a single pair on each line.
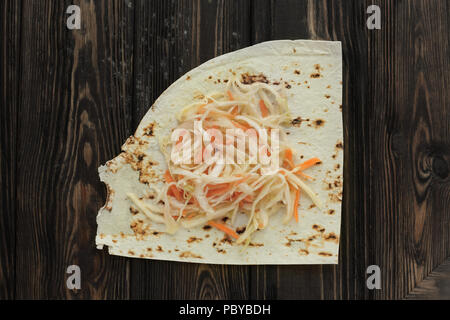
311, 73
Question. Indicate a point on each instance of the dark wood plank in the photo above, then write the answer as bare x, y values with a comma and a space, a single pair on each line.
410, 146
380, 212
434, 287
9, 92
327, 20
75, 111
174, 37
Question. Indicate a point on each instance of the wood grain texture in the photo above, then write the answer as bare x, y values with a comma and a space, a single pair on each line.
416, 148
69, 99
10, 26
380, 211
172, 38
74, 111
434, 287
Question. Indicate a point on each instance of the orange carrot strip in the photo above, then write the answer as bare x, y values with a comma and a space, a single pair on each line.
230, 95
201, 108
263, 107
218, 192
289, 158
211, 127
217, 186
234, 196
173, 188
288, 154
240, 125
297, 198
307, 164
289, 165
194, 201
237, 194
301, 174
221, 188
224, 228
190, 216
235, 111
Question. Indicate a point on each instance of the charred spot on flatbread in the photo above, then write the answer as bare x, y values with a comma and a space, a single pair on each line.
318, 228
148, 130
303, 252
331, 237
247, 78
240, 230
188, 254
297, 122
193, 239
325, 254
318, 123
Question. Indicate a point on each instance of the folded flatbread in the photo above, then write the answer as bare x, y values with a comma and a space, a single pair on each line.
307, 76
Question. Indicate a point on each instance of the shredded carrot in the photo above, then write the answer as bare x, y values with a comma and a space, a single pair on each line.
297, 198
240, 125
212, 127
217, 186
288, 154
241, 180
307, 164
221, 188
224, 228
288, 164
173, 188
235, 111
194, 201
301, 174
201, 108
234, 196
237, 194
263, 107
230, 95
289, 158
190, 216
219, 191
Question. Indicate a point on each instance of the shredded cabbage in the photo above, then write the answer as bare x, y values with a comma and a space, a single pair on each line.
196, 193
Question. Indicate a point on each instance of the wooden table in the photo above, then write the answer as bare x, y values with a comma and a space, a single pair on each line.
70, 98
